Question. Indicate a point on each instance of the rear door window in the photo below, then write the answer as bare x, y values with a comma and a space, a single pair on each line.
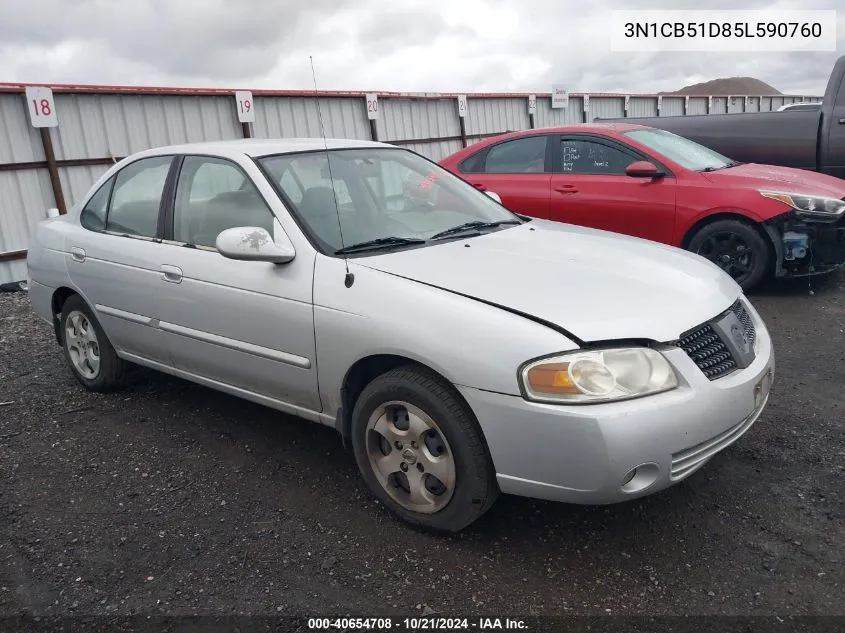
519, 156
136, 198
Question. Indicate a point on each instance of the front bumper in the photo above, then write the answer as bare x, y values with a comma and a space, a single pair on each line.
584, 454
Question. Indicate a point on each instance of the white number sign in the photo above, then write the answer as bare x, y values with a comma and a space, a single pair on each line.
372, 105
709, 103
627, 102
245, 105
42, 108
686, 102
747, 101
560, 96
659, 103
462, 105
586, 103
532, 104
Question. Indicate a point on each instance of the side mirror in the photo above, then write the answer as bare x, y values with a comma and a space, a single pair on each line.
643, 169
254, 244
494, 195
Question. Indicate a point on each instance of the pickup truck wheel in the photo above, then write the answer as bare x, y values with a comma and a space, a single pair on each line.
420, 450
88, 351
736, 247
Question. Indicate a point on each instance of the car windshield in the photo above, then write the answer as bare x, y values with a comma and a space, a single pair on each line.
681, 150
345, 198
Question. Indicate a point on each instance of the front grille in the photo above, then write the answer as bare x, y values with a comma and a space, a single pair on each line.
707, 349
742, 314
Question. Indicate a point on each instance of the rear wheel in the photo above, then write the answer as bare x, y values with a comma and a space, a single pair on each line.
420, 450
87, 349
736, 247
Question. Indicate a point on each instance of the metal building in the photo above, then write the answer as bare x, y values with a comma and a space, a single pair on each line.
53, 167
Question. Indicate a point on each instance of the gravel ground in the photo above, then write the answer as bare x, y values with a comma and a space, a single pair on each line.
170, 498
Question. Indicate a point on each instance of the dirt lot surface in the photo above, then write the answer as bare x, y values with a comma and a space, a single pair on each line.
170, 498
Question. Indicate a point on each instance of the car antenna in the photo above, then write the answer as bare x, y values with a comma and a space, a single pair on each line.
350, 278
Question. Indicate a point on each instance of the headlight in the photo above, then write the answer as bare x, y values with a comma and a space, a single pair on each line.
819, 207
589, 376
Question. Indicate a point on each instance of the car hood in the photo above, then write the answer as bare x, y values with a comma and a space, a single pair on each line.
594, 284
776, 178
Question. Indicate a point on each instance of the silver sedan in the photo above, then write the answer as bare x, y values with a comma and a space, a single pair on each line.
462, 350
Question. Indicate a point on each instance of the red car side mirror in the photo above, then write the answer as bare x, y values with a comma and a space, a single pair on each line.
643, 169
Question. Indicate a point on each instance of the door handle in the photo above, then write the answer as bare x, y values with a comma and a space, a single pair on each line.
173, 274
78, 254
479, 186
566, 189
841, 121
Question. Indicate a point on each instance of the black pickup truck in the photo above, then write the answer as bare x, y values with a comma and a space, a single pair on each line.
813, 139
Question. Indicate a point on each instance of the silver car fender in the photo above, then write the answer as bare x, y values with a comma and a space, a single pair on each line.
468, 342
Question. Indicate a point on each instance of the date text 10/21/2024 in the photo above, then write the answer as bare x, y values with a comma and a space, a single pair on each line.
417, 624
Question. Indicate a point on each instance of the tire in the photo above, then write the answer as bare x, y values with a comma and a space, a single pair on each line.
736, 247
408, 395
110, 369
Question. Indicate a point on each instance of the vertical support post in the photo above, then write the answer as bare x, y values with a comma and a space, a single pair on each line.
373, 130
463, 131
532, 120
246, 129
53, 168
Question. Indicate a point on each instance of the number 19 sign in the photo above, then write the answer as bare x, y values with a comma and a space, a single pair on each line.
245, 106
42, 108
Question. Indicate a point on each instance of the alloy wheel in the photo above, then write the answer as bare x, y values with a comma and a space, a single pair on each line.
730, 252
82, 345
410, 457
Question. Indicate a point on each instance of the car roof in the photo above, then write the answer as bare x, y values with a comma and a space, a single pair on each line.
261, 147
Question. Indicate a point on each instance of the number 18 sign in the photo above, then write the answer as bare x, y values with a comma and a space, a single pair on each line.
42, 108
245, 106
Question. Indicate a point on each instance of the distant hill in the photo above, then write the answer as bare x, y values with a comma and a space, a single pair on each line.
728, 86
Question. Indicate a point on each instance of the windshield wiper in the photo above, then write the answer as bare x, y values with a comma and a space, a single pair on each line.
382, 242
469, 226
733, 163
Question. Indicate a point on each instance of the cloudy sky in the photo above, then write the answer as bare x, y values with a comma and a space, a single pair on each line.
404, 45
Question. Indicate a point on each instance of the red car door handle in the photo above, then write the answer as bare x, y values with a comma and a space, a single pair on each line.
479, 186
566, 189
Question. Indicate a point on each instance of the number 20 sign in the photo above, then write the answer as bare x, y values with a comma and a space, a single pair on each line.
245, 106
42, 108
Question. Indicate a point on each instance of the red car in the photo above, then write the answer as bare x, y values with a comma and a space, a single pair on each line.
751, 220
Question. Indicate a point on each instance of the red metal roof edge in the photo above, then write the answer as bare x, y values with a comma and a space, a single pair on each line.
6, 87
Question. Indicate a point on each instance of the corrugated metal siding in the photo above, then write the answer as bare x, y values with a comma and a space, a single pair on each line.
277, 117
25, 197
697, 105
720, 105
735, 104
77, 181
672, 106
96, 126
403, 119
642, 107
436, 151
19, 141
607, 108
549, 117
486, 116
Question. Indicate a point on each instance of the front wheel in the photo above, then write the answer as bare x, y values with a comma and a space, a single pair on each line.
736, 247
420, 450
